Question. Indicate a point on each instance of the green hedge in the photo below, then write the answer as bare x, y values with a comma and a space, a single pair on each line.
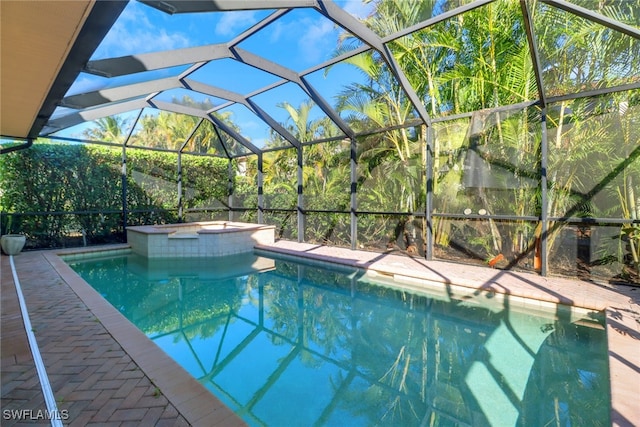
64, 195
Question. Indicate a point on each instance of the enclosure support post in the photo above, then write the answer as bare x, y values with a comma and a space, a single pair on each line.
230, 188
180, 193
260, 192
541, 249
123, 175
180, 212
353, 163
429, 175
300, 208
125, 207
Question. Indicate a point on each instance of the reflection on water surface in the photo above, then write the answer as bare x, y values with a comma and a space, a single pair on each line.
283, 343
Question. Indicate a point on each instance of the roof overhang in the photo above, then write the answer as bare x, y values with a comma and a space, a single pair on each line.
45, 44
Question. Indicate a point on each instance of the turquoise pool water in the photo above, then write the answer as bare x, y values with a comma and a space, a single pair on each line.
286, 343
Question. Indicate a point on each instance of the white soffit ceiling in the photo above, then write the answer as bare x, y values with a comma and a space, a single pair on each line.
36, 37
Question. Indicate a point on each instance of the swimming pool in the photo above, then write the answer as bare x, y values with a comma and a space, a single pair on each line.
288, 343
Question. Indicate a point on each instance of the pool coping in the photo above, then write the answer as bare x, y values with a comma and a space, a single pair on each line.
196, 404
620, 303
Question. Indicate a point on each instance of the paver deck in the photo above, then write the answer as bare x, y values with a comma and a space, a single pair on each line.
104, 371
101, 368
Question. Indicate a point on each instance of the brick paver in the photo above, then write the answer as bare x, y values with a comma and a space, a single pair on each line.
94, 381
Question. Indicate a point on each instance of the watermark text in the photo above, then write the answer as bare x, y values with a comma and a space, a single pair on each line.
34, 414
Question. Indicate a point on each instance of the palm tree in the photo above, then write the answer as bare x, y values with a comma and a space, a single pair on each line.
280, 181
589, 137
299, 123
108, 129
393, 163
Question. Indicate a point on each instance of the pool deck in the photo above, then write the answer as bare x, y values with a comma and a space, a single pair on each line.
104, 371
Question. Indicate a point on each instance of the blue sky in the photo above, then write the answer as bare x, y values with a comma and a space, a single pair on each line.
299, 40
143, 29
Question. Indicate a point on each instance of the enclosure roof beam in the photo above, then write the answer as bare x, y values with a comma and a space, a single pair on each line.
197, 56
133, 126
231, 132
264, 116
594, 92
436, 19
289, 76
130, 64
104, 96
326, 107
177, 108
110, 95
239, 99
115, 108
424, 24
595, 17
258, 26
200, 55
273, 68
196, 6
193, 132
212, 90
408, 87
151, 88
337, 59
355, 27
351, 24
222, 144
533, 52
263, 64
93, 114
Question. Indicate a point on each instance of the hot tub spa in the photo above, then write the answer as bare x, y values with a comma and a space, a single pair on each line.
198, 239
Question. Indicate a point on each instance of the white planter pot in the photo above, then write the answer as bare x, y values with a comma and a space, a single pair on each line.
12, 244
